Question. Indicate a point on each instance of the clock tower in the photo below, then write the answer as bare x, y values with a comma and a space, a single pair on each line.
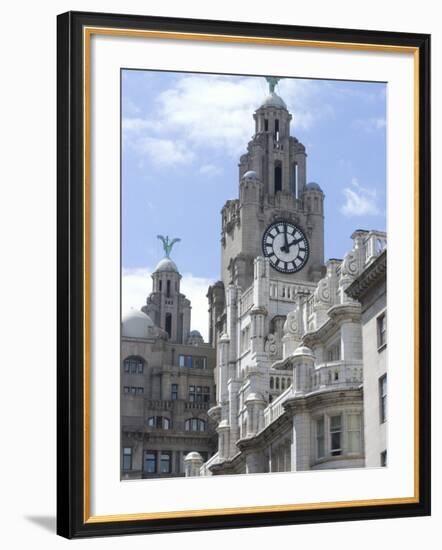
277, 215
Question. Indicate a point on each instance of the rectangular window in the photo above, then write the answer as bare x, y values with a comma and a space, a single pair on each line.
384, 459
335, 435
165, 462
320, 450
383, 398
150, 462
354, 433
127, 458
185, 361
174, 392
192, 393
199, 394
126, 389
334, 352
199, 362
382, 330
139, 390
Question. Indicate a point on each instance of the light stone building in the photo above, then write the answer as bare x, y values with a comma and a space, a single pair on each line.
167, 383
370, 289
296, 350
290, 352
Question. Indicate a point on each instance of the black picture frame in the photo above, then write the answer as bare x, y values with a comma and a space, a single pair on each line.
72, 392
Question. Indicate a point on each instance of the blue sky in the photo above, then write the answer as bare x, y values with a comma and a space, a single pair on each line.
183, 134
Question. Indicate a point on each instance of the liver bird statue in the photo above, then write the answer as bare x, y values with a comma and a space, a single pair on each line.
167, 244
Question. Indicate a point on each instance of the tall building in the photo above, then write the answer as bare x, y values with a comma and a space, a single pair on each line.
294, 375
289, 363
167, 383
370, 289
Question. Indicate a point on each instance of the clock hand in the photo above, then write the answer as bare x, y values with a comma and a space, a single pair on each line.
295, 241
286, 241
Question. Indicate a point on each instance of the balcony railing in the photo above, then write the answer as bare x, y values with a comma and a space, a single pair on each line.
337, 374
159, 404
275, 409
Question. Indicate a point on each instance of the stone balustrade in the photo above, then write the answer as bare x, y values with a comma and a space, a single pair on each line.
337, 374
275, 409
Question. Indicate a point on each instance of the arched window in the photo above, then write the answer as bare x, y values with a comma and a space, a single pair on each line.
276, 135
159, 422
295, 179
133, 365
195, 425
277, 383
168, 288
282, 383
278, 176
169, 323
272, 383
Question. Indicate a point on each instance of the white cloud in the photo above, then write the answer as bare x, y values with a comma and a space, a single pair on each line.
359, 200
137, 284
135, 124
210, 170
164, 152
215, 112
371, 124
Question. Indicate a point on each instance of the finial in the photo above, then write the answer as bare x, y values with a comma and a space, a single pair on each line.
167, 244
273, 81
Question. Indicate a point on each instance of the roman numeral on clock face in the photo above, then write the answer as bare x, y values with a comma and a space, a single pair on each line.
286, 246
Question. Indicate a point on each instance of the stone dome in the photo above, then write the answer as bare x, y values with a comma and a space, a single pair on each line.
166, 264
312, 186
136, 324
250, 175
193, 455
195, 338
273, 100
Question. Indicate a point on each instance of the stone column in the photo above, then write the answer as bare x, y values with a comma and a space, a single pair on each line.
255, 405
192, 464
303, 363
301, 441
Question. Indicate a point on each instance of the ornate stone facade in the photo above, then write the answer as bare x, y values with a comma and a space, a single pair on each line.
167, 383
289, 345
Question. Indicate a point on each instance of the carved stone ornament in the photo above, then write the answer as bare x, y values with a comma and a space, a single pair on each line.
273, 347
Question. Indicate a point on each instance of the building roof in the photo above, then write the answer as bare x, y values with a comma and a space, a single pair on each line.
166, 264
273, 100
250, 175
372, 275
313, 186
136, 324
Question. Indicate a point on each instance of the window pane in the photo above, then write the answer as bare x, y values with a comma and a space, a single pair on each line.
165, 463
335, 422
150, 462
320, 437
354, 439
353, 421
335, 441
182, 360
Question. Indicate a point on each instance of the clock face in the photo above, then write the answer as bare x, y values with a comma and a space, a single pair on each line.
286, 246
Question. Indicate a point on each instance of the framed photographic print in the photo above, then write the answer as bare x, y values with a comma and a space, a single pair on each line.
236, 347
